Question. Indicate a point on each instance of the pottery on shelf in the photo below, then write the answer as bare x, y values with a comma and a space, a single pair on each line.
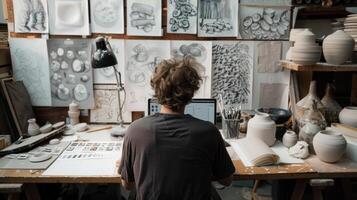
338, 47
33, 128
290, 138
306, 102
305, 51
263, 127
329, 145
332, 108
348, 116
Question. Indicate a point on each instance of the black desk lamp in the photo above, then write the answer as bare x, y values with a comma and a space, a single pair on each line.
104, 57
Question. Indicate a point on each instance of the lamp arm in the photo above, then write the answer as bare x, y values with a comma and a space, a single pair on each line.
120, 88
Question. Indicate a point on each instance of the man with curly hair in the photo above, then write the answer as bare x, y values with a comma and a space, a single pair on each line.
172, 155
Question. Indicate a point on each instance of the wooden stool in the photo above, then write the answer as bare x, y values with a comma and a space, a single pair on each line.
318, 185
13, 191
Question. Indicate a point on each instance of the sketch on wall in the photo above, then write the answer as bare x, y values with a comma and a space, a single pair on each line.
201, 51
106, 108
71, 72
31, 16
144, 17
107, 16
268, 56
142, 56
30, 65
278, 100
69, 17
182, 16
264, 23
266, 2
232, 64
107, 75
218, 18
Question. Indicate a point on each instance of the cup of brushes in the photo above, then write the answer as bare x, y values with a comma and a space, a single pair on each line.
231, 122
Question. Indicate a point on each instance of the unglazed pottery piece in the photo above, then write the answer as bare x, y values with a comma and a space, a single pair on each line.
33, 128
81, 127
332, 108
40, 157
262, 127
299, 150
348, 116
338, 47
290, 139
58, 125
46, 128
305, 50
329, 145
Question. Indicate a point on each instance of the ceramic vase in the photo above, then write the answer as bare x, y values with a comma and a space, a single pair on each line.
305, 51
290, 138
338, 47
348, 116
332, 108
74, 113
329, 145
33, 128
262, 127
306, 102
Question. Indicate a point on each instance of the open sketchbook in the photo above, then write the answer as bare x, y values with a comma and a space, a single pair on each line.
254, 152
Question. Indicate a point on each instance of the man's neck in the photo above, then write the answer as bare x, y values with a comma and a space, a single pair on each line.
167, 110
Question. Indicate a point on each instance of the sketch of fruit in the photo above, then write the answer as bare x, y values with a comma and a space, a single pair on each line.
60, 51
71, 79
55, 66
53, 55
78, 66
64, 65
106, 13
63, 92
80, 92
70, 54
85, 78
183, 11
56, 79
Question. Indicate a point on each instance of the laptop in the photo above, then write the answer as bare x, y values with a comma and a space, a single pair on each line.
204, 109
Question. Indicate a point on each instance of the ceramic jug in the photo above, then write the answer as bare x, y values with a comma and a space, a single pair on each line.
262, 127
33, 128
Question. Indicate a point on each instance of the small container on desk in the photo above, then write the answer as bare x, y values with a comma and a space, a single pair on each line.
230, 128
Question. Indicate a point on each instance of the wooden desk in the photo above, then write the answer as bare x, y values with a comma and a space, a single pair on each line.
312, 168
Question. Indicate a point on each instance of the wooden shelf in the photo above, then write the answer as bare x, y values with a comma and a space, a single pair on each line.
321, 67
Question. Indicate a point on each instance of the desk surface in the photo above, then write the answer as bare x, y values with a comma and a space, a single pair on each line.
312, 168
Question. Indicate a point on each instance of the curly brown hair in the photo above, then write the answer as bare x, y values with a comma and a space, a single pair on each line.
175, 81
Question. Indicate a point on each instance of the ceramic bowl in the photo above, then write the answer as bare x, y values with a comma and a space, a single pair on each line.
278, 115
305, 36
348, 116
46, 128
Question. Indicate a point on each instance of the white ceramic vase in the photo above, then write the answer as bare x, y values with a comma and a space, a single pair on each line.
329, 145
289, 139
305, 51
348, 116
74, 113
33, 128
262, 127
338, 47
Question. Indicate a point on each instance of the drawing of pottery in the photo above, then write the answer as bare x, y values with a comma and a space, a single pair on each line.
63, 92
84, 78
141, 54
33, 128
262, 127
348, 116
338, 47
80, 92
329, 145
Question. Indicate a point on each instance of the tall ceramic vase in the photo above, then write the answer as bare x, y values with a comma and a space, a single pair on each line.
306, 103
332, 108
263, 127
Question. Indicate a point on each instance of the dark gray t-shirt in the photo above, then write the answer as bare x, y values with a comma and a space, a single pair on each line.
174, 157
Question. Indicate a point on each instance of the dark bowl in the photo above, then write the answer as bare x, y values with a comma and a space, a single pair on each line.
278, 115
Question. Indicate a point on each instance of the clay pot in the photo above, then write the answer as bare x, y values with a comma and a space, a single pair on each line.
332, 108
329, 145
338, 47
305, 50
348, 116
294, 32
262, 127
33, 128
289, 139
306, 102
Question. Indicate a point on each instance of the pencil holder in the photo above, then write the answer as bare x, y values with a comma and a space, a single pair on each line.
230, 128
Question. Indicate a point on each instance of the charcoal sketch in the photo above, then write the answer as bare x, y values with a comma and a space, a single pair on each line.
71, 72
30, 65
232, 64
142, 56
264, 23
268, 56
218, 18
201, 51
144, 18
69, 17
107, 75
106, 104
107, 16
30, 16
182, 16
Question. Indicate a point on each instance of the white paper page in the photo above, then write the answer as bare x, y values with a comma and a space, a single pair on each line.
241, 155
283, 153
107, 16
182, 17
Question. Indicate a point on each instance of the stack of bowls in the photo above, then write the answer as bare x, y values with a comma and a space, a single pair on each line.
293, 33
306, 51
351, 29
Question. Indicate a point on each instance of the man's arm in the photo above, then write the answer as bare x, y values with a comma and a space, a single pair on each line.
127, 185
126, 165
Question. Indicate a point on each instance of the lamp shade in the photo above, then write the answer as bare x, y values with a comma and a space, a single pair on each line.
103, 56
